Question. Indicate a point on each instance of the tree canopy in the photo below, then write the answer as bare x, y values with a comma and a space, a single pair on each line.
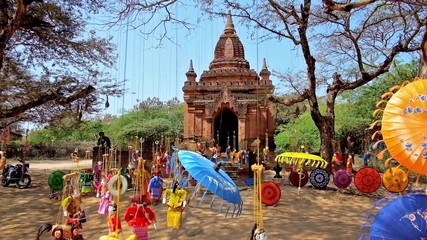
51, 66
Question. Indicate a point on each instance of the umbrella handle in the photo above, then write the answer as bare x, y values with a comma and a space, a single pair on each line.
299, 183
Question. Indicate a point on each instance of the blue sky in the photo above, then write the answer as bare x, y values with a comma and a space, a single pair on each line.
160, 72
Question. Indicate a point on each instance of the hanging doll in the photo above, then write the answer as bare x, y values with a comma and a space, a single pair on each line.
106, 198
73, 210
155, 187
114, 225
139, 217
97, 170
168, 165
177, 202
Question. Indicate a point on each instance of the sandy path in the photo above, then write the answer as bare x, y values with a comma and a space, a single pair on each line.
313, 214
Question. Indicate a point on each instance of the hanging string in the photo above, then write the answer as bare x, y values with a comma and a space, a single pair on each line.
176, 52
125, 66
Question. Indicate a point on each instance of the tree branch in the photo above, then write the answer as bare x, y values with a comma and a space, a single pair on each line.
44, 98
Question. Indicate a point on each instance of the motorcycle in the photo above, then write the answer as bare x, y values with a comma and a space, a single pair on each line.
17, 174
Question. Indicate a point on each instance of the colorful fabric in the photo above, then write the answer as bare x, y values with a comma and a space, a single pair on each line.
155, 186
176, 198
174, 217
106, 198
114, 223
174, 212
141, 233
139, 216
349, 168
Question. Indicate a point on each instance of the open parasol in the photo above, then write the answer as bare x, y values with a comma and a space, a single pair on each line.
342, 179
367, 180
395, 180
319, 178
404, 128
298, 179
270, 193
55, 180
213, 179
402, 218
301, 159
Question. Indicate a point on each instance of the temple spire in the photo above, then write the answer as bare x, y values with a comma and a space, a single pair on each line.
191, 74
264, 73
229, 26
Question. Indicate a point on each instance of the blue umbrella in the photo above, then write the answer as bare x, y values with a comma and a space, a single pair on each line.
402, 218
213, 179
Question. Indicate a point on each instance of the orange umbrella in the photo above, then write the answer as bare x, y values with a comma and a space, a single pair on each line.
404, 127
395, 180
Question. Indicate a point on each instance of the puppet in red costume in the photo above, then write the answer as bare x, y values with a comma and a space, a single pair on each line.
139, 217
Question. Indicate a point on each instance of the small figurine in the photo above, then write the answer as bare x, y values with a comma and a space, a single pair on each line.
176, 203
155, 187
106, 198
139, 217
114, 224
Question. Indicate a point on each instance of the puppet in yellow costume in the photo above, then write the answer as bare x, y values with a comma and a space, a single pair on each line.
176, 203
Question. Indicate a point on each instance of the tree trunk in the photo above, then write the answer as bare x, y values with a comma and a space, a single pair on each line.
423, 62
327, 135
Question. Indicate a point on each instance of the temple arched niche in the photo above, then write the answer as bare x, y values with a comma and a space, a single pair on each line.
226, 128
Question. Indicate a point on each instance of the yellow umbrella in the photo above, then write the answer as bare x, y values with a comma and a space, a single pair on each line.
404, 126
395, 180
301, 160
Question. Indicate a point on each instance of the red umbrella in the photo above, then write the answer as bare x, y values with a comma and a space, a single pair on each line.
298, 179
367, 180
270, 193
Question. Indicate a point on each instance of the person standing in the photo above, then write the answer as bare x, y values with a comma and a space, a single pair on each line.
104, 143
366, 157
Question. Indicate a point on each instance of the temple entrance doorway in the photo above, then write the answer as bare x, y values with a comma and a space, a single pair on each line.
226, 129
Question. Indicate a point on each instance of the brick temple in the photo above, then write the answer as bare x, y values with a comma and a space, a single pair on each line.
228, 105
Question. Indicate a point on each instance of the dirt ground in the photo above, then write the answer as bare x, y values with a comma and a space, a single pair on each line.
311, 214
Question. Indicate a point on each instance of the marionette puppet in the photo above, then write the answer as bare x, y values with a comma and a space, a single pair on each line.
106, 198
139, 216
176, 204
73, 211
97, 170
114, 224
60, 232
155, 188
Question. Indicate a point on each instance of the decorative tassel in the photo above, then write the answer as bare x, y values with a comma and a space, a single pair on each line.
379, 202
379, 103
387, 95
375, 146
407, 82
365, 225
387, 162
374, 136
394, 88
377, 111
374, 124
